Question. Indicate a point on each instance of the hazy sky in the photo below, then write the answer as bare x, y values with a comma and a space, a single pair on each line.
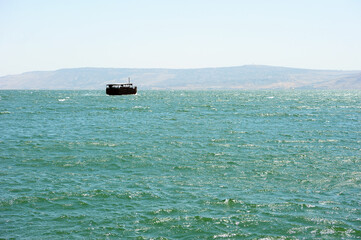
48, 35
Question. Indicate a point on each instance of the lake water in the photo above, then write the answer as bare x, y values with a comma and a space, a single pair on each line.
180, 165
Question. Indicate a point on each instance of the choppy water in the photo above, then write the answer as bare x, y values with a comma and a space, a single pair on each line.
180, 165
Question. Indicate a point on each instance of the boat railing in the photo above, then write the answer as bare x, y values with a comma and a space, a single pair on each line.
120, 85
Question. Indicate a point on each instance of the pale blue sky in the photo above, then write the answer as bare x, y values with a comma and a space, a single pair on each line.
49, 35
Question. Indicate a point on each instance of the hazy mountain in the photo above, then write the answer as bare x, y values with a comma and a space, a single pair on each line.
243, 77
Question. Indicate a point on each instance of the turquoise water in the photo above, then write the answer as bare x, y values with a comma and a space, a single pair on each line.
180, 165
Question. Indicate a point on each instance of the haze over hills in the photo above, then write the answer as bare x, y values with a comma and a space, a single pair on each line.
241, 77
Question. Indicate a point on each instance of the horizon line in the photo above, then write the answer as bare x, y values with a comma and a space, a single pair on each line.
191, 68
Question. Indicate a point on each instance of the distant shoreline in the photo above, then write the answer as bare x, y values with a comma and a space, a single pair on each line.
248, 77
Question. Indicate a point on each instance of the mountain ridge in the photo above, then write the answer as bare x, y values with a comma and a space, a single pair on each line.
234, 77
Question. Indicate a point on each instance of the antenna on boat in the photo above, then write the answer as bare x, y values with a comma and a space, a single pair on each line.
128, 79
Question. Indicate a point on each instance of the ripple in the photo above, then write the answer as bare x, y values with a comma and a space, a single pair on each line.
180, 164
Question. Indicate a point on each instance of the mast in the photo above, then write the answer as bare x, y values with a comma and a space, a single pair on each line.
128, 79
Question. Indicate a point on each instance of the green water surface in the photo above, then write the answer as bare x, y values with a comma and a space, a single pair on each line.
180, 165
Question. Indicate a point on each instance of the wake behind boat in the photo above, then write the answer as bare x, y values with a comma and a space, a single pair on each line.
121, 88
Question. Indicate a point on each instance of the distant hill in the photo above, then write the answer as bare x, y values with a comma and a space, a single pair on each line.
242, 77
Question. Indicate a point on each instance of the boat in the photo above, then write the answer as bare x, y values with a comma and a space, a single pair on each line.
121, 88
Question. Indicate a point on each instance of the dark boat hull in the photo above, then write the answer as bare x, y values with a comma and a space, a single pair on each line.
121, 91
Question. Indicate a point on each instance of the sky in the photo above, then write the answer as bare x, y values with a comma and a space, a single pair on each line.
42, 35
